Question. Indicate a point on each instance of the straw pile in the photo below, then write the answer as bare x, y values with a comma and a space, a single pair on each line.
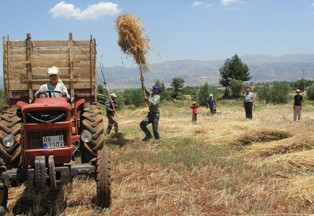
301, 188
293, 144
297, 161
260, 136
131, 39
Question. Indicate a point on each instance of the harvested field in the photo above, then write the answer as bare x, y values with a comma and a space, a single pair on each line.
222, 165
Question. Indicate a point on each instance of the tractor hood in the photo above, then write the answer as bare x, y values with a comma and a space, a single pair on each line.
45, 104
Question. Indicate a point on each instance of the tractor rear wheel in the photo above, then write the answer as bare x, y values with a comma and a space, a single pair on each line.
103, 179
10, 123
92, 120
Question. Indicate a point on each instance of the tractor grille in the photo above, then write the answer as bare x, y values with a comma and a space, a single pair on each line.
35, 139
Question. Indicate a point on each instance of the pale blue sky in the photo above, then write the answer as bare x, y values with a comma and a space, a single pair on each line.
181, 29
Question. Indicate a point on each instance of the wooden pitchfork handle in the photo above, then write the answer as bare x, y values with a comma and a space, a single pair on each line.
142, 79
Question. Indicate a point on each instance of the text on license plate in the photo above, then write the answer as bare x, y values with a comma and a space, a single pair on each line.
53, 142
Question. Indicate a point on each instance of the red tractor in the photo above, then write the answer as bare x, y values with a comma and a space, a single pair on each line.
40, 138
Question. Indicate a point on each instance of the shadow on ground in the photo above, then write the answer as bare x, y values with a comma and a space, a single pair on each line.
118, 139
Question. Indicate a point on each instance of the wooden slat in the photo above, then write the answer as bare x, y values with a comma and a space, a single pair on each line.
17, 44
17, 50
49, 50
52, 43
29, 46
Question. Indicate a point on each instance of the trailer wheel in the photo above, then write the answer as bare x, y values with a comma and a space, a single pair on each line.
92, 120
103, 179
10, 123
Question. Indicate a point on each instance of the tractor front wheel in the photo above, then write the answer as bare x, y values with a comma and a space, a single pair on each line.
103, 179
10, 124
92, 120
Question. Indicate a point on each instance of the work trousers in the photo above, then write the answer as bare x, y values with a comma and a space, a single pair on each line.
112, 122
248, 107
297, 113
151, 118
194, 117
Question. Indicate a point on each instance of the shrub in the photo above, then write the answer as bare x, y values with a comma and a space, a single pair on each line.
133, 97
264, 93
310, 92
280, 92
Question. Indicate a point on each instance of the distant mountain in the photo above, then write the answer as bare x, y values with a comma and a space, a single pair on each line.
194, 72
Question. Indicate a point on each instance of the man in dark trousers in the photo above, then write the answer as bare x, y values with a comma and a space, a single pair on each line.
153, 100
111, 109
297, 105
248, 103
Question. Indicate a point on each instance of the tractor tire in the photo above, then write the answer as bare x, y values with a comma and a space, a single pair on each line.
3, 194
10, 123
92, 120
103, 179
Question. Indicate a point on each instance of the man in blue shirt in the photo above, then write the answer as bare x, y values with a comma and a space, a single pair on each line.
153, 100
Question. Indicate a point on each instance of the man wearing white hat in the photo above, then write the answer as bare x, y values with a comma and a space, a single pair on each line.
111, 110
54, 88
297, 105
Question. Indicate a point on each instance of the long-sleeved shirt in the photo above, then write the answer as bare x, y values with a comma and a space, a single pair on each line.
249, 97
110, 107
211, 102
153, 101
59, 87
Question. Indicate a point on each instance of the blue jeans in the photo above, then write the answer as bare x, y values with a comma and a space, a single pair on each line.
152, 117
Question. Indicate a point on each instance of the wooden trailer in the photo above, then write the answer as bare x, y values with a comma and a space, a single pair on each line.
25, 66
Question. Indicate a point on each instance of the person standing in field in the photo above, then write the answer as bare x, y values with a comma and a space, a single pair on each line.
248, 103
111, 105
297, 105
211, 103
153, 100
194, 108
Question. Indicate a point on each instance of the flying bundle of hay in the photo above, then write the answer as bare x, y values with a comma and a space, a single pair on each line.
131, 39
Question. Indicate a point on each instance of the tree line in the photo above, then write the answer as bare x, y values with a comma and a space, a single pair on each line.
234, 75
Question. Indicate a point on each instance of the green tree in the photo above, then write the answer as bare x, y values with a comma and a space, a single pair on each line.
177, 84
233, 69
236, 87
100, 89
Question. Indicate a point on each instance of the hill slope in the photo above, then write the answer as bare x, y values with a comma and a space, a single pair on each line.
195, 72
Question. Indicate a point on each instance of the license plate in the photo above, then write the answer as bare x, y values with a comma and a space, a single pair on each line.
53, 142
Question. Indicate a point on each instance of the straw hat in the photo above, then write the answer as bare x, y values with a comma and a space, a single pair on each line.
113, 95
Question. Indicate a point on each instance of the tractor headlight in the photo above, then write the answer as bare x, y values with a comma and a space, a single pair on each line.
86, 136
8, 140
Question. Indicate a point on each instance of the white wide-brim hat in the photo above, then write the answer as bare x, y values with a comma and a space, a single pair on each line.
53, 71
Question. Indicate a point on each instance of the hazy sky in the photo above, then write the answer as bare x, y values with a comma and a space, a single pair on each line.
181, 29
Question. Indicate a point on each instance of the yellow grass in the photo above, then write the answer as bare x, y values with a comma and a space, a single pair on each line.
204, 168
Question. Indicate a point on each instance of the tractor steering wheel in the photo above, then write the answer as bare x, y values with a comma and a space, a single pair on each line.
48, 93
